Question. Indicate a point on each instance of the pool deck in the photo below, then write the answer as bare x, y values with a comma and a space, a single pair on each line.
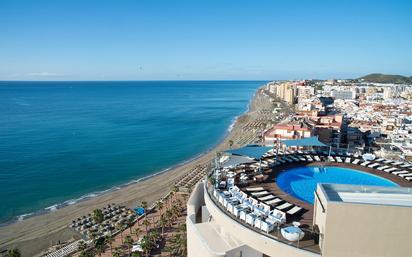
306, 216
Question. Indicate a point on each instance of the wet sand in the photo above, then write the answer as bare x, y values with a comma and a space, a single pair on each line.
36, 234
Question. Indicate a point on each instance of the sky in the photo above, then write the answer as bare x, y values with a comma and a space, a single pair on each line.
203, 40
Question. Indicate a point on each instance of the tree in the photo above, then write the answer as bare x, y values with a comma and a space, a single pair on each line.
129, 242
119, 227
146, 245
159, 206
117, 252
85, 253
82, 245
144, 206
13, 253
179, 244
137, 232
98, 216
129, 223
146, 223
162, 223
109, 240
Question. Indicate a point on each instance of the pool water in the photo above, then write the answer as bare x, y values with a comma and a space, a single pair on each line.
301, 182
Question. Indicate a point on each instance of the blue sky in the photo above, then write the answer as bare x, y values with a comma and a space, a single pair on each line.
169, 40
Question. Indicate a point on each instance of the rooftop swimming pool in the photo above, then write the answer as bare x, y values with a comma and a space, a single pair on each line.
301, 182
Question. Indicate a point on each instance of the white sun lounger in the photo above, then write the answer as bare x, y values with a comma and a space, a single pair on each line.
331, 159
397, 163
365, 163
267, 198
252, 189
316, 158
284, 206
407, 165
356, 161
403, 175
294, 210
382, 167
338, 159
390, 170
261, 193
274, 201
347, 160
301, 158
408, 178
309, 158
400, 172
387, 161
380, 159
373, 165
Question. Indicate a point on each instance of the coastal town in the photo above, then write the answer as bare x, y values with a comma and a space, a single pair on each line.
349, 117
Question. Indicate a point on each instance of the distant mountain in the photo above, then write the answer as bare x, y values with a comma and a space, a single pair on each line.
383, 78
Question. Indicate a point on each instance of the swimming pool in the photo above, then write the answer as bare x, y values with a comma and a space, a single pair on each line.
301, 182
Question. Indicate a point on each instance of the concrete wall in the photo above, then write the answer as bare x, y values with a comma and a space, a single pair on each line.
196, 245
367, 230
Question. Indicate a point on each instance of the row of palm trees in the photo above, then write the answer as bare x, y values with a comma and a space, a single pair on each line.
170, 209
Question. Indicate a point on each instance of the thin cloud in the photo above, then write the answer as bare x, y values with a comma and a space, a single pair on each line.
44, 74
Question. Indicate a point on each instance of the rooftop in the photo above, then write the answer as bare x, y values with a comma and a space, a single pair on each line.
397, 196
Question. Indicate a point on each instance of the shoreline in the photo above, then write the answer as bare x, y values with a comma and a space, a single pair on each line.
38, 232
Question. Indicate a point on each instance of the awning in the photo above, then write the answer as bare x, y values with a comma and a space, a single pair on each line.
252, 151
234, 160
308, 141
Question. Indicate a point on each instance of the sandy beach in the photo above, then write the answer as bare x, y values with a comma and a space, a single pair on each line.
35, 234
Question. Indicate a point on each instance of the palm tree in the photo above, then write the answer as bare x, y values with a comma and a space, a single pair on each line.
98, 216
129, 242
82, 245
129, 223
162, 223
109, 240
137, 231
13, 253
146, 223
146, 245
144, 206
159, 206
179, 244
117, 252
99, 248
119, 227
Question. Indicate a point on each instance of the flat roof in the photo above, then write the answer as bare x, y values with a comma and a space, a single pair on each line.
398, 196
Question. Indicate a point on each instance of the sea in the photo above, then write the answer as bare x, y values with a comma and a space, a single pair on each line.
62, 142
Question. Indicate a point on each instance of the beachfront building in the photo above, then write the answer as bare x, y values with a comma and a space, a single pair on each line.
263, 218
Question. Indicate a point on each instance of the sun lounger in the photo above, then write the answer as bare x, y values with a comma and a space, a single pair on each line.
284, 206
274, 201
408, 178
380, 159
373, 165
309, 158
387, 161
293, 158
331, 159
347, 160
407, 165
288, 159
260, 193
316, 158
356, 161
338, 159
365, 163
294, 210
267, 198
382, 167
253, 189
390, 170
400, 172
397, 163
403, 175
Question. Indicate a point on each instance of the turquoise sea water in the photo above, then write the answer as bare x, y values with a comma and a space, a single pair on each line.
301, 182
60, 141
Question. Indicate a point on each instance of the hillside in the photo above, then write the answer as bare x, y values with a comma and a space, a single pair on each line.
383, 78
